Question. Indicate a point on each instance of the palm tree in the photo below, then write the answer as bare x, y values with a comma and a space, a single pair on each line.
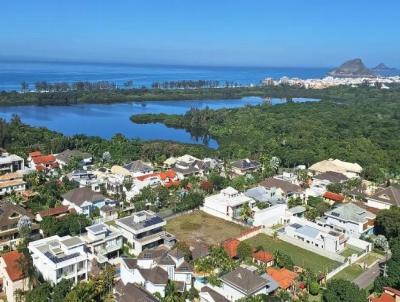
274, 163
246, 212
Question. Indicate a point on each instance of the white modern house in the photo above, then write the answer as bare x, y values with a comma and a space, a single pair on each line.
385, 198
104, 242
153, 268
144, 230
270, 216
354, 220
83, 200
58, 258
227, 204
315, 235
10, 162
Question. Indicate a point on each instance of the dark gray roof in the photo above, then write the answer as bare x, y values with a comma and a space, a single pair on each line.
138, 166
130, 263
132, 293
67, 155
155, 275
258, 193
199, 250
331, 176
286, 186
151, 219
80, 195
176, 253
184, 267
246, 164
245, 281
216, 296
390, 195
10, 213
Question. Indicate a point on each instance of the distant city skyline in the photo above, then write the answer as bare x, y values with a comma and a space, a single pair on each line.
312, 33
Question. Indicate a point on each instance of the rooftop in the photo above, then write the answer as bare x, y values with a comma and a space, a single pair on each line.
245, 281
284, 277
351, 212
11, 260
285, 186
331, 176
390, 195
80, 195
141, 220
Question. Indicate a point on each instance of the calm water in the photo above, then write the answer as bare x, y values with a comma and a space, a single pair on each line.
105, 120
13, 73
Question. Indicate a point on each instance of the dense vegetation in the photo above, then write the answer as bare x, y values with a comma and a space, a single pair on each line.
105, 93
353, 124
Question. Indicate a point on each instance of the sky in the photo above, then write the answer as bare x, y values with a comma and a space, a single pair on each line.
203, 32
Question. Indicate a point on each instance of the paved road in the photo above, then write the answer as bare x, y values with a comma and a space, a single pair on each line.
368, 277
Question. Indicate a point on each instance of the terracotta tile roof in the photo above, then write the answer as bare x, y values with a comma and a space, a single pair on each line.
284, 277
263, 256
12, 267
230, 246
168, 174
334, 196
392, 290
35, 153
385, 297
54, 211
44, 159
144, 177
175, 183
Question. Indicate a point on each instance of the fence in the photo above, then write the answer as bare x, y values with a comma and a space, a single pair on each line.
347, 262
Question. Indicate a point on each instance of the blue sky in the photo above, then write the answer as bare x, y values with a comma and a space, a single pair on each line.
203, 32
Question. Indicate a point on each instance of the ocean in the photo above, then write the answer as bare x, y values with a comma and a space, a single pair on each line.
13, 73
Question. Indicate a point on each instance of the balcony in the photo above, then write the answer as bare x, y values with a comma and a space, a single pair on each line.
151, 238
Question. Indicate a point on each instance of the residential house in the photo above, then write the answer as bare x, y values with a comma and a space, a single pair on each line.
153, 268
12, 276
315, 235
242, 283
333, 198
144, 230
227, 204
185, 159
389, 295
139, 168
12, 182
40, 162
10, 162
230, 246
191, 168
283, 189
108, 212
264, 195
132, 293
243, 166
270, 216
67, 156
263, 258
350, 170
319, 183
10, 214
58, 258
209, 295
284, 277
104, 242
297, 211
385, 198
354, 220
57, 212
83, 200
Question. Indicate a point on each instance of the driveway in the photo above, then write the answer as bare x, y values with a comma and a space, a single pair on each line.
368, 277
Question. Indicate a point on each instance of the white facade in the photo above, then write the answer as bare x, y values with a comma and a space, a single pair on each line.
103, 242
315, 235
270, 216
10, 162
226, 204
58, 258
142, 230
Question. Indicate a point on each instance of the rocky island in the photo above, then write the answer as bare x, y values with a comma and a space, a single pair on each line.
352, 68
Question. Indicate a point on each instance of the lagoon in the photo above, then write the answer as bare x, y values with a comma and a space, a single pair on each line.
106, 120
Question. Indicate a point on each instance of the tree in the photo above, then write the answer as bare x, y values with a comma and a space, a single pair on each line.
274, 164
82, 292
339, 290
335, 187
311, 214
214, 280
294, 201
313, 288
246, 212
388, 222
61, 290
24, 226
39, 294
244, 250
283, 260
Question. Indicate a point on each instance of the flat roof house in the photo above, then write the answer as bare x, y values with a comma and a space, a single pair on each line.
144, 230
227, 204
83, 200
11, 182
315, 235
58, 258
10, 162
103, 241
13, 277
385, 198
355, 221
282, 188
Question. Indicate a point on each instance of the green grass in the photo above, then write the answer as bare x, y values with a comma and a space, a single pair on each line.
348, 251
349, 273
300, 257
204, 227
370, 258
111, 222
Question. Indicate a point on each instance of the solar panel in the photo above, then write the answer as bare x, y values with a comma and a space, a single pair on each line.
335, 214
152, 221
56, 259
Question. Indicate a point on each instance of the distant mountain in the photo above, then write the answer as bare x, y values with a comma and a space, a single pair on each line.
383, 70
350, 69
